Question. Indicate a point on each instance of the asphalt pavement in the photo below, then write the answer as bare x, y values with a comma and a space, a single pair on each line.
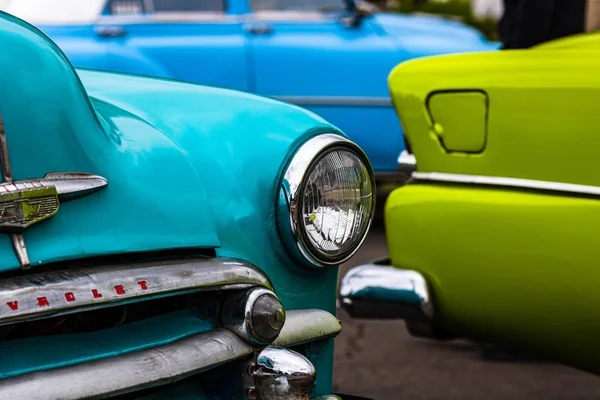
379, 360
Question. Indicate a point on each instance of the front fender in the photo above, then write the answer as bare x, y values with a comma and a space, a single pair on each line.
51, 126
239, 144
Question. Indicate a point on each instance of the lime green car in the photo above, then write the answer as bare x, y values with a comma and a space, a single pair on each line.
497, 235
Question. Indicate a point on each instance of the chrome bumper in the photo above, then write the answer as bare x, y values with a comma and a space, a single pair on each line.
407, 164
378, 291
375, 291
166, 364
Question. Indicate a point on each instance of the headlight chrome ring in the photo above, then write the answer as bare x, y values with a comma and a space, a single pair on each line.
326, 201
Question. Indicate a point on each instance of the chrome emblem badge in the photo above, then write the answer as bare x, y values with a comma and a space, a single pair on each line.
22, 208
25, 203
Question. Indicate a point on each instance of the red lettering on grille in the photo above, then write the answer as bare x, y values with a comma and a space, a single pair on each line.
43, 302
96, 294
143, 285
70, 297
14, 305
119, 289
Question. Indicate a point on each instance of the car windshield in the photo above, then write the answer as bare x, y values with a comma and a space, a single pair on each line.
55, 11
298, 5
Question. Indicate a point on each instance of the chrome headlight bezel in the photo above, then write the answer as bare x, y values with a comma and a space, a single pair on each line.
291, 188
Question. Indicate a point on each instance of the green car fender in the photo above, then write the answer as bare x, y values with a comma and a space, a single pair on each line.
501, 216
494, 236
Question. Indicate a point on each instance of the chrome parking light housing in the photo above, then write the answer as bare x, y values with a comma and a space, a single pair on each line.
256, 316
326, 201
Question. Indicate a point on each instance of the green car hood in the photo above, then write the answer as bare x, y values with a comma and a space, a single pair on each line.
583, 41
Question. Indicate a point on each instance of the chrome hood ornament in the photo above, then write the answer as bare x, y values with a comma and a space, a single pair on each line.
25, 203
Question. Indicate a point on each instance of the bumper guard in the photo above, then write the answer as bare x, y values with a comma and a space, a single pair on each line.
375, 291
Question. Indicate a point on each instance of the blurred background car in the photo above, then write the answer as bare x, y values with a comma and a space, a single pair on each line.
330, 56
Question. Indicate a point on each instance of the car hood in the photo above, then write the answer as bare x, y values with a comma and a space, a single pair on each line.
426, 35
583, 41
187, 166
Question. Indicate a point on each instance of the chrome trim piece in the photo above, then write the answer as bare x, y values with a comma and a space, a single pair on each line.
238, 312
166, 17
337, 101
71, 185
21, 251
291, 15
288, 209
408, 161
303, 326
383, 292
153, 367
130, 372
73, 290
508, 182
41, 196
6, 169
283, 374
68, 185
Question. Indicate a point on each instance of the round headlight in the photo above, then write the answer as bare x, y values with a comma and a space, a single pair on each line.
329, 191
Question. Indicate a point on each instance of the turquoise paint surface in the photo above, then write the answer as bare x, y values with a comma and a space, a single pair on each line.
239, 144
188, 166
154, 199
36, 354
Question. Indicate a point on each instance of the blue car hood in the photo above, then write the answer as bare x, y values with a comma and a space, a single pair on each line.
427, 35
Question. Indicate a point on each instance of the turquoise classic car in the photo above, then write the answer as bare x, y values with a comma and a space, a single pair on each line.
163, 239
330, 56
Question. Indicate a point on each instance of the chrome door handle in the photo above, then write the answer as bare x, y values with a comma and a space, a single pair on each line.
258, 29
110, 31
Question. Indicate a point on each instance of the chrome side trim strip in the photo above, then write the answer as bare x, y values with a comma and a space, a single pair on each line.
508, 182
130, 372
295, 16
303, 326
160, 365
73, 290
337, 101
169, 17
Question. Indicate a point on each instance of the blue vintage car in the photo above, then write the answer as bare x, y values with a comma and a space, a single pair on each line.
163, 240
330, 56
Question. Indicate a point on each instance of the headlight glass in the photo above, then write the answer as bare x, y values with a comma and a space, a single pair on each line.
327, 200
335, 204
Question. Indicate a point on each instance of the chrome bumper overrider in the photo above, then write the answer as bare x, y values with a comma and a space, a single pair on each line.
383, 292
407, 163
164, 364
